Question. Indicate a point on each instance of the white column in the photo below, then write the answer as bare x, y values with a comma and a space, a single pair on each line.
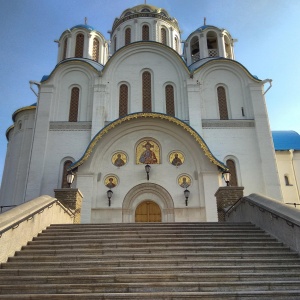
265, 143
194, 103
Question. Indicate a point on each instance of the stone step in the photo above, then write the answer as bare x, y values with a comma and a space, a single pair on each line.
137, 240
170, 235
241, 295
157, 249
86, 263
247, 253
127, 278
75, 270
149, 287
114, 244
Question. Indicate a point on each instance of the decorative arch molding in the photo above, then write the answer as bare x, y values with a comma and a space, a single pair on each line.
148, 191
161, 116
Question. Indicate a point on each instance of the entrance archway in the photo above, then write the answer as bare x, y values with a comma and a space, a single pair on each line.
153, 193
148, 211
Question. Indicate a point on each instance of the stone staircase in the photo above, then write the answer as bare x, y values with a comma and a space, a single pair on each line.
152, 261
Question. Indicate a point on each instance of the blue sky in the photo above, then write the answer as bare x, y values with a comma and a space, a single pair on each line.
267, 32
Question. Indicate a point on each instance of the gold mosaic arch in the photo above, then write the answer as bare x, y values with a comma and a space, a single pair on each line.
117, 122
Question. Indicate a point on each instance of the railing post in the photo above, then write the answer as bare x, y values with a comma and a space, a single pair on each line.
72, 199
227, 196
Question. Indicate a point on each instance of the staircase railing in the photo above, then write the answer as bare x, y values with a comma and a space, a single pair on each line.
280, 220
23, 222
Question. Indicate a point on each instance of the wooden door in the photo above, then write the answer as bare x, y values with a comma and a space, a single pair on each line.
148, 211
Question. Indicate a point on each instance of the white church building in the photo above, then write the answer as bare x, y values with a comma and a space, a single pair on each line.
187, 110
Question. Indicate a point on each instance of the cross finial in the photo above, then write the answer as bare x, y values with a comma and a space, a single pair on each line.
85, 20
145, 1
204, 20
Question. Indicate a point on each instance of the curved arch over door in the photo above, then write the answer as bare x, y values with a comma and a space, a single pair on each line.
151, 192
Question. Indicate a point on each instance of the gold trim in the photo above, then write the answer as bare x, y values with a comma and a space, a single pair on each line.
117, 122
8, 130
20, 110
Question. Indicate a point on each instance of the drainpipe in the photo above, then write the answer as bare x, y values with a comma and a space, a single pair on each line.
265, 81
296, 182
38, 84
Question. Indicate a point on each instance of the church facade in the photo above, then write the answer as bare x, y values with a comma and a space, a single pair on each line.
187, 111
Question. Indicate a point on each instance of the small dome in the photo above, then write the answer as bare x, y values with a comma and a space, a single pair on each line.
286, 140
88, 27
144, 8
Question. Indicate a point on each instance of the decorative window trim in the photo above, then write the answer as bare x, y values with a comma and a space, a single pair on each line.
123, 99
147, 91
74, 104
222, 102
79, 45
170, 99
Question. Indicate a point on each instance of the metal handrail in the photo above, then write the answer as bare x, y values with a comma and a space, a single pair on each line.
263, 209
39, 211
232, 206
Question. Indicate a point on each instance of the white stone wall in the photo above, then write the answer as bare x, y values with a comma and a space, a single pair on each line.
288, 163
17, 159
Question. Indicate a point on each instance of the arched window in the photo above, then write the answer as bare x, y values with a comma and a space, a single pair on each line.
123, 100
79, 45
146, 80
127, 36
170, 109
163, 34
64, 183
74, 103
65, 48
212, 44
95, 49
232, 169
195, 50
145, 33
222, 103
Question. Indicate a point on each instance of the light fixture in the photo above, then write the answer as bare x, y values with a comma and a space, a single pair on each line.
109, 195
147, 169
70, 178
226, 175
186, 195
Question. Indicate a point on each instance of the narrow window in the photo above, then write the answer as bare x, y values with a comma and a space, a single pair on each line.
286, 180
115, 44
79, 45
123, 100
95, 49
195, 50
163, 33
145, 33
232, 169
222, 103
65, 48
73, 113
176, 43
127, 36
170, 100
147, 107
64, 183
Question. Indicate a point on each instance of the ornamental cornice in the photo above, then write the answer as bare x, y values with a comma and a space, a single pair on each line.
171, 21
